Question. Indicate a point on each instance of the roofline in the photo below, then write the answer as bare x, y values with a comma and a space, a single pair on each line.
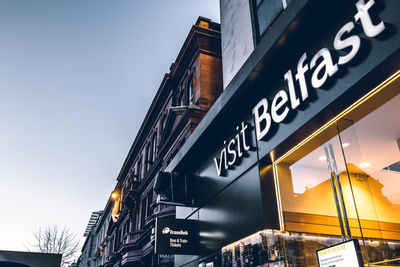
167, 78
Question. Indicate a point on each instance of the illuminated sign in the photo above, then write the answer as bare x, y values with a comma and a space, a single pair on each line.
176, 236
322, 65
341, 255
233, 150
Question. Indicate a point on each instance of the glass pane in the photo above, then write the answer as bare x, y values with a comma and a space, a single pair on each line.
371, 144
267, 12
358, 156
305, 182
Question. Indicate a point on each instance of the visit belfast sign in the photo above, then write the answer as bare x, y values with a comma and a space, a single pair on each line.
321, 65
312, 71
233, 150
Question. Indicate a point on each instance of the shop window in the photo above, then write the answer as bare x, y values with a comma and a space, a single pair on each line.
275, 248
345, 178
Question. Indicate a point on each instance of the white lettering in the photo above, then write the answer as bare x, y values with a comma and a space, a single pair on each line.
352, 41
259, 118
232, 152
218, 162
279, 101
294, 100
300, 76
362, 15
326, 65
242, 131
234, 149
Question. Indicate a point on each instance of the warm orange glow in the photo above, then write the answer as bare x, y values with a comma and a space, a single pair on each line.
381, 262
204, 24
278, 198
114, 195
345, 112
366, 97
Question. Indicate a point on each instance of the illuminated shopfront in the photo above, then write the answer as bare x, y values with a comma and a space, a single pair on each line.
302, 150
361, 146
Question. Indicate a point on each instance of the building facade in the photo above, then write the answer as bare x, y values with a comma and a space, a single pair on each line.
88, 256
301, 151
125, 232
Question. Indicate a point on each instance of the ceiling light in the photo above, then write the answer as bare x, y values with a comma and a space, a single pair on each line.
345, 145
364, 165
322, 158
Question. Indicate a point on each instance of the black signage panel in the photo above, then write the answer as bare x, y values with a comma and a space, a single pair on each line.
176, 236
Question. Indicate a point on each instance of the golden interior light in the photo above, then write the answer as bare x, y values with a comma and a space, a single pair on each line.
366, 97
363, 99
114, 195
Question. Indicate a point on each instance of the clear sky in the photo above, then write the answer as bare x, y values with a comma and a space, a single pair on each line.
76, 80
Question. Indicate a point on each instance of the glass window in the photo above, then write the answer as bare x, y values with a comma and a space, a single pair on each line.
163, 122
149, 201
143, 213
139, 169
190, 90
345, 179
149, 157
181, 100
154, 148
133, 174
266, 12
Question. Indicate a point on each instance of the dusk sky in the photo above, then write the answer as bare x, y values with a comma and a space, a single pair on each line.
76, 80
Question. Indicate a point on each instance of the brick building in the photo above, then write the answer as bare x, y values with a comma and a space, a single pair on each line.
124, 235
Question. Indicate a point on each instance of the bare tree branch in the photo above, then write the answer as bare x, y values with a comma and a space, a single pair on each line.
54, 240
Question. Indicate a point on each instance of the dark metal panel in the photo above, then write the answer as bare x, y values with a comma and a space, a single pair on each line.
209, 183
234, 213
